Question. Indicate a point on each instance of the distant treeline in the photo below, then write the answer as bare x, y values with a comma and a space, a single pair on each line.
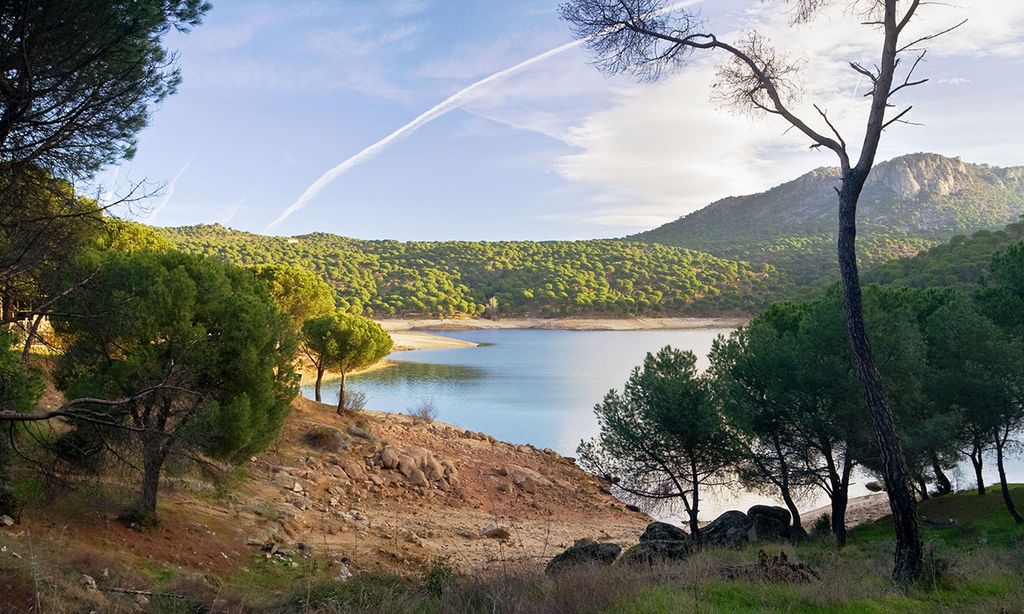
550, 278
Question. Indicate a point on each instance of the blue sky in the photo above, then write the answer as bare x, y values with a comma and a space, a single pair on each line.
277, 93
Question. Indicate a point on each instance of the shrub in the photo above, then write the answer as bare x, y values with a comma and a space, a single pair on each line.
426, 411
822, 526
355, 399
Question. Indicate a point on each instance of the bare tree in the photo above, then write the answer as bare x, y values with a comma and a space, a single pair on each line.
647, 37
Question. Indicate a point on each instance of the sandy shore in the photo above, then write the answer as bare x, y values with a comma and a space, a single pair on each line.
415, 334
401, 324
859, 510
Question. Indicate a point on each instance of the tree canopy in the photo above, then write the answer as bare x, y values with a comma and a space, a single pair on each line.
343, 342
194, 350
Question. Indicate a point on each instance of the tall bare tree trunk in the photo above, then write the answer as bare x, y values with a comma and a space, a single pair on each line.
908, 560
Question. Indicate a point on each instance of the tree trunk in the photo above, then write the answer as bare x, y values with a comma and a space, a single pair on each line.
922, 488
319, 379
341, 394
944, 485
144, 512
1017, 518
30, 335
796, 531
695, 507
977, 461
839, 501
908, 559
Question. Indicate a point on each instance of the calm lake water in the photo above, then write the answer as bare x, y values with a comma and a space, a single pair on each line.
540, 387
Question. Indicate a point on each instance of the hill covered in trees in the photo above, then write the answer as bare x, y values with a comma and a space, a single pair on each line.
549, 278
960, 263
909, 203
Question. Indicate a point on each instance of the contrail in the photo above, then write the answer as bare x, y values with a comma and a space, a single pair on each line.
167, 195
232, 210
451, 103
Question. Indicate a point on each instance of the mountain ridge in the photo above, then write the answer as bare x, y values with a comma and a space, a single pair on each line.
909, 203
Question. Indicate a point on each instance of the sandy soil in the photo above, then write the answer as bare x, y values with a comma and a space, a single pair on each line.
859, 510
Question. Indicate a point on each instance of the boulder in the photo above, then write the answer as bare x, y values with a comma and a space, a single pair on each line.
658, 550
731, 529
660, 541
768, 523
389, 457
662, 531
495, 531
353, 470
417, 478
875, 486
583, 552
360, 432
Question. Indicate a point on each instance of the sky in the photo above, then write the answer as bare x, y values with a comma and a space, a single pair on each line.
481, 120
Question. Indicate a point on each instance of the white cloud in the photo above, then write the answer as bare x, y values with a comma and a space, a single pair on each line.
657, 151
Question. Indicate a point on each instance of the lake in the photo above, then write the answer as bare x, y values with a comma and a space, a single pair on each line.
540, 387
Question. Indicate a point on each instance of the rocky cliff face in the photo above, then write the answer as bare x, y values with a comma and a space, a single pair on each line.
924, 195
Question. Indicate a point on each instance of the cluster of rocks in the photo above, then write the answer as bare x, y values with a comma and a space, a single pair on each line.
523, 478
420, 467
661, 541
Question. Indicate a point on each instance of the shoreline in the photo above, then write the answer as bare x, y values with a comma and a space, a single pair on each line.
393, 325
418, 333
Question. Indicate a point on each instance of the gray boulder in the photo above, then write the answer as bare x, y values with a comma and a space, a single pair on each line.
662, 531
731, 529
583, 552
768, 523
660, 542
650, 552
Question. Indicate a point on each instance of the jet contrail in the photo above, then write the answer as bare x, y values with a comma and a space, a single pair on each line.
451, 103
232, 210
167, 195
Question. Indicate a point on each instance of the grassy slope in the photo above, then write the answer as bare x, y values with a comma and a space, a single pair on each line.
977, 546
974, 536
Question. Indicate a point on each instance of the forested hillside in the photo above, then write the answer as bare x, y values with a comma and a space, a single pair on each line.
909, 203
600, 277
959, 263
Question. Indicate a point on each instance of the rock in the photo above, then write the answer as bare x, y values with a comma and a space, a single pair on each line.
875, 486
88, 583
353, 470
655, 551
6, 521
731, 529
341, 572
297, 487
583, 552
526, 479
357, 431
495, 531
417, 478
768, 523
433, 469
662, 531
389, 457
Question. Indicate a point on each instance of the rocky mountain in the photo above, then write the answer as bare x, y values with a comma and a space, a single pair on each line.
909, 203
